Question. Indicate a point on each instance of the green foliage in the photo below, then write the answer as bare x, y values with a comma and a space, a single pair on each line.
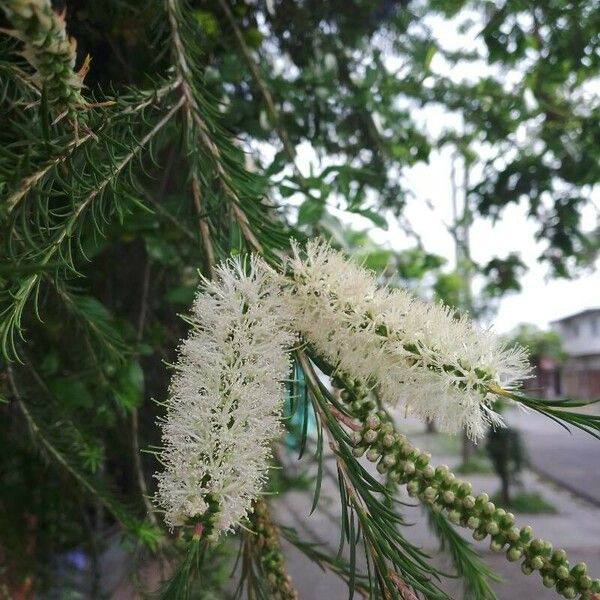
114, 197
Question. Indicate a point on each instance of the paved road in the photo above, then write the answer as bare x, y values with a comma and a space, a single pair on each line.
569, 459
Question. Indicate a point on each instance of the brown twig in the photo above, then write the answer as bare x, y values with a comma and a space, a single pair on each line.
209, 255
135, 436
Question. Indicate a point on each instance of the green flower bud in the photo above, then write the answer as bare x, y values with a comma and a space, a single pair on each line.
407, 449
389, 460
448, 477
525, 567
479, 535
423, 460
473, 523
526, 533
579, 569
549, 581
468, 502
408, 467
537, 545
355, 438
562, 572
465, 489
492, 528
482, 499
559, 556
356, 407
595, 589
373, 455
454, 517
488, 508
370, 436
585, 582
412, 487
441, 470
373, 422
388, 440
429, 494
513, 534
507, 520
358, 451
387, 429
496, 546
394, 476
448, 497
513, 554
569, 592
536, 563
428, 472
382, 467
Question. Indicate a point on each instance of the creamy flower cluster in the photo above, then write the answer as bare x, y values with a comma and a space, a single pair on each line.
411, 351
225, 400
227, 394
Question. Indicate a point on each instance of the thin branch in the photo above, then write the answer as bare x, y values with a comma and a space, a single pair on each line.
209, 255
264, 90
30, 181
193, 115
135, 437
31, 282
37, 432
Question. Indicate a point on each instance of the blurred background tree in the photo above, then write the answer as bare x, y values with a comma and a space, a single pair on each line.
346, 84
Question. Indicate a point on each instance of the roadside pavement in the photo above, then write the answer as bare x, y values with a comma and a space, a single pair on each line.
570, 459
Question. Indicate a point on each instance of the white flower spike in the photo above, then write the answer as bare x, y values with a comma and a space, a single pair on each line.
225, 400
411, 351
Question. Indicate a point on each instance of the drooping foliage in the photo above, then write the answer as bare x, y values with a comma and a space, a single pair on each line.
144, 142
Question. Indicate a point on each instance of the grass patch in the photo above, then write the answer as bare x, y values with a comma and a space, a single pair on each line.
526, 502
477, 465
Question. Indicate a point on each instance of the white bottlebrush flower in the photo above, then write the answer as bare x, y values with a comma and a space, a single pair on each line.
410, 350
225, 400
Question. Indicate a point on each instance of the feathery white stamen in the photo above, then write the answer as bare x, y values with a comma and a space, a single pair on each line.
225, 399
413, 351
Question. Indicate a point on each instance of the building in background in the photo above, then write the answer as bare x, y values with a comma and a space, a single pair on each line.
580, 337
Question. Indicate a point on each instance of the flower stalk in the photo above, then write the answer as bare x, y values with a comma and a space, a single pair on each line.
437, 487
269, 554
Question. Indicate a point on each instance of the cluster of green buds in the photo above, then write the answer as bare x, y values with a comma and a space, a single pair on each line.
48, 49
270, 557
355, 393
437, 487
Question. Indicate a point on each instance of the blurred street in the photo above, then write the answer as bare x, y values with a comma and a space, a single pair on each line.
571, 459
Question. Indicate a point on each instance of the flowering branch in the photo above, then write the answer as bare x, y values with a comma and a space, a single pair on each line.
265, 543
439, 489
441, 367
